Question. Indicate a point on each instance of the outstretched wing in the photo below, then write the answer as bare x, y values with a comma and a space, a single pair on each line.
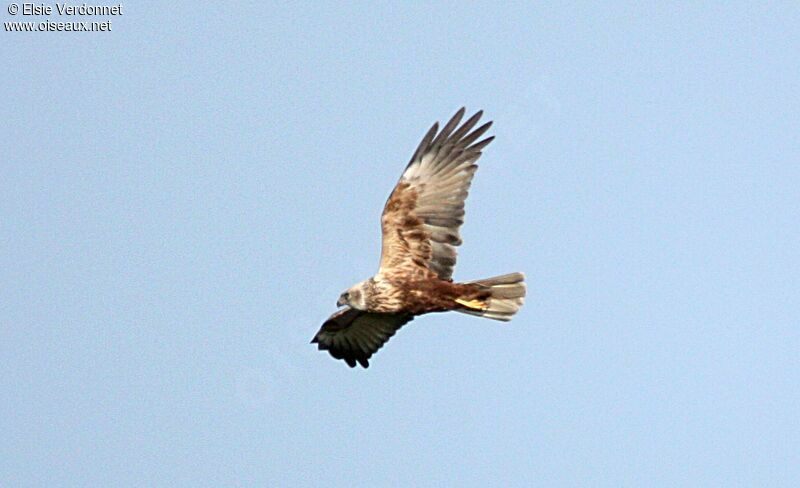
354, 335
422, 217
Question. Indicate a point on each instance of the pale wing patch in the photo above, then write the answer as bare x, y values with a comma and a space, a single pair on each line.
423, 215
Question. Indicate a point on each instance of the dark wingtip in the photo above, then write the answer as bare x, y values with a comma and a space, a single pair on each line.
478, 146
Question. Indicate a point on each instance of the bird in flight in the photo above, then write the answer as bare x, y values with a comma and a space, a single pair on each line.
420, 229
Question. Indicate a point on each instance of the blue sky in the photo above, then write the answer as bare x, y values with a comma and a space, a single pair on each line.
183, 198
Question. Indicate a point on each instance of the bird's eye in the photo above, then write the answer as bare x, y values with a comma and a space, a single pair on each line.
347, 295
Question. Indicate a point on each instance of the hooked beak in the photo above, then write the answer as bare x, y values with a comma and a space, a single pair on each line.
340, 302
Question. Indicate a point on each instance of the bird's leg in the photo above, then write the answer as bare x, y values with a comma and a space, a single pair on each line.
473, 304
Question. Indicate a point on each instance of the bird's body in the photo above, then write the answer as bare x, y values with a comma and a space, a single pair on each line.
420, 227
417, 296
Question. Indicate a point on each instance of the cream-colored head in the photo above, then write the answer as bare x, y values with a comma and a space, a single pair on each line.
355, 296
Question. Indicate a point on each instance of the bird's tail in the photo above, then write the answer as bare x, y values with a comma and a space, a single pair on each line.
507, 294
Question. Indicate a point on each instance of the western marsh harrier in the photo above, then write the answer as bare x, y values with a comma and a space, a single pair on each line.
420, 225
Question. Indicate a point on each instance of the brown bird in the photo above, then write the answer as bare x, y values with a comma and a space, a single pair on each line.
420, 224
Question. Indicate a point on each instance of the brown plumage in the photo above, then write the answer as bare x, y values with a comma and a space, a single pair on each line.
420, 232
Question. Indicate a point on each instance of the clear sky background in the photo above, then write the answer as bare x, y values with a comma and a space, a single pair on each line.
183, 199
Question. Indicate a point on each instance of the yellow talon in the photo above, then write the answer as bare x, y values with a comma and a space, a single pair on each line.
473, 304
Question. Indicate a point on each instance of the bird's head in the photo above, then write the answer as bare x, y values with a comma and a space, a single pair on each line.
355, 297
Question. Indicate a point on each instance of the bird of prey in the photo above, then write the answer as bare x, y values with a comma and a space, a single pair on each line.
420, 229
